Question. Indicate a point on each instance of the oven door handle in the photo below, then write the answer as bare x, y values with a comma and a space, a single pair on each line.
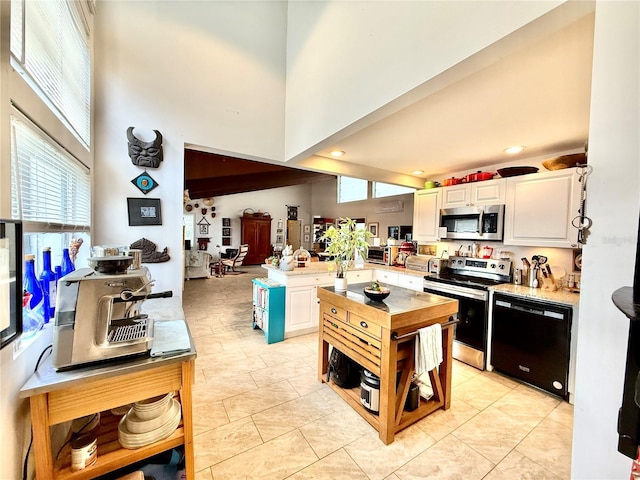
481, 223
444, 289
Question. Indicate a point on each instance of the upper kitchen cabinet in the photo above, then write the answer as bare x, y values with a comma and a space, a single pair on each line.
540, 209
488, 192
426, 214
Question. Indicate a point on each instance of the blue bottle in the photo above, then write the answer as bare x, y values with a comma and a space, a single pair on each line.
66, 265
48, 282
33, 309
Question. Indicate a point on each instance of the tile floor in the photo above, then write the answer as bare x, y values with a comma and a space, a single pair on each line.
260, 412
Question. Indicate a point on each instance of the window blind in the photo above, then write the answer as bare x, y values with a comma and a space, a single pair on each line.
48, 186
50, 42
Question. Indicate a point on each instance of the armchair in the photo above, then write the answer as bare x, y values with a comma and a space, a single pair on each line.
231, 263
197, 264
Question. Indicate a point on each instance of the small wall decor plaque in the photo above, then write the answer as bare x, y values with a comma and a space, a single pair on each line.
145, 182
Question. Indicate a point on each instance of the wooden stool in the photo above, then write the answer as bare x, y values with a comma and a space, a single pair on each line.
217, 269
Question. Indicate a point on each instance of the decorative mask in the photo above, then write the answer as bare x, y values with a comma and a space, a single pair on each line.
145, 154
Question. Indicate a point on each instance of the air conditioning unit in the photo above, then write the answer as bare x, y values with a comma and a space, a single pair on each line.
389, 207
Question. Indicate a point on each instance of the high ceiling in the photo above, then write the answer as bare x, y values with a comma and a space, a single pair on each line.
538, 96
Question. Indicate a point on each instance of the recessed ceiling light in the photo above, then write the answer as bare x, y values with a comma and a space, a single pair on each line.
417, 172
515, 149
337, 153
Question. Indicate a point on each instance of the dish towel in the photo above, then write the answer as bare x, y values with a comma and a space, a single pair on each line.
428, 355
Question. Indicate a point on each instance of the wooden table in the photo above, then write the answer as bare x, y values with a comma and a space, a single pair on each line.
57, 397
381, 338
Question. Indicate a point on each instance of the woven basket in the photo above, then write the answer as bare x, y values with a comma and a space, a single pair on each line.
564, 161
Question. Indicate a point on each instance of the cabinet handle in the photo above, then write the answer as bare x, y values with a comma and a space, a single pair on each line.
334, 311
363, 324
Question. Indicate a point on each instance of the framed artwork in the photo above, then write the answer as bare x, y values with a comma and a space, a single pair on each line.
203, 229
226, 222
226, 241
226, 232
307, 229
144, 211
373, 228
306, 237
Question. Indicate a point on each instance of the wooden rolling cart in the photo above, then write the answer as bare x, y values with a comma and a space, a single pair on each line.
380, 337
57, 397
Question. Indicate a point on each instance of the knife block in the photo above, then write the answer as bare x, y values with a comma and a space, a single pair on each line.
548, 283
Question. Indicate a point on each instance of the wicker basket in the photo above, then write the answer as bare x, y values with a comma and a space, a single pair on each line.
564, 161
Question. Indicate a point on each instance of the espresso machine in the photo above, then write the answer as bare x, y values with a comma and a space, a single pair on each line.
98, 316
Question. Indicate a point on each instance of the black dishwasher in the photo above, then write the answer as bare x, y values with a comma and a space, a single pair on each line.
531, 341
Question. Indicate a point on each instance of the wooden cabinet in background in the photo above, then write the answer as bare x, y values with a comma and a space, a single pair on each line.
256, 232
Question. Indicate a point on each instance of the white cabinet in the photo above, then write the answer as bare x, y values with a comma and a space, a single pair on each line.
488, 192
358, 276
301, 310
540, 209
411, 282
426, 214
301, 303
386, 277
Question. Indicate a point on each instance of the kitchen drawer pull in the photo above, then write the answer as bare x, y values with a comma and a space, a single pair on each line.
363, 324
334, 311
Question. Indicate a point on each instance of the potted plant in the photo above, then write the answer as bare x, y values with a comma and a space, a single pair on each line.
345, 243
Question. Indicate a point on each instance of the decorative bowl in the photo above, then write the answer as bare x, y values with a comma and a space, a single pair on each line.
377, 295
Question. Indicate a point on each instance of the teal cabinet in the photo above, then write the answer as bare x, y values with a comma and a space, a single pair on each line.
268, 308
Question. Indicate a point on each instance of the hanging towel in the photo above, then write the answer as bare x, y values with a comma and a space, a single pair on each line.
428, 355
428, 348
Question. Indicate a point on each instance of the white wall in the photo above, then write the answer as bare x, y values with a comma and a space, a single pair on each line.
273, 201
348, 59
204, 73
608, 257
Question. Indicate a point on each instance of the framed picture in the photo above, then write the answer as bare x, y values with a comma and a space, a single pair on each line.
203, 229
306, 237
144, 211
226, 232
226, 222
373, 228
307, 229
226, 241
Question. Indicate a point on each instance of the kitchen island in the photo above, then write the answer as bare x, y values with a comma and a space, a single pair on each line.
380, 336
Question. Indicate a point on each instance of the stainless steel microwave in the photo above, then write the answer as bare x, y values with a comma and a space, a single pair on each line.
484, 222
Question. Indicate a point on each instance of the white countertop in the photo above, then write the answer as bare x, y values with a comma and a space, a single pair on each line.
313, 268
558, 296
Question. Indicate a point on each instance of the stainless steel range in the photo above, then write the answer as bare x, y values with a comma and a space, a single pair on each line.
467, 280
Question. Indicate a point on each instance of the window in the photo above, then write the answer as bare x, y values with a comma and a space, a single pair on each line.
50, 47
387, 190
352, 189
50, 193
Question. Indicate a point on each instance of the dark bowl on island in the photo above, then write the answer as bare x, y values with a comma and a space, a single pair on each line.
377, 295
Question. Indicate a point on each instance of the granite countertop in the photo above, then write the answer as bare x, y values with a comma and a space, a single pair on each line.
313, 268
558, 296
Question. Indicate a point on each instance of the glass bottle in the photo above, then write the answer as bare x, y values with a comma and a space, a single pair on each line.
66, 265
33, 301
48, 282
